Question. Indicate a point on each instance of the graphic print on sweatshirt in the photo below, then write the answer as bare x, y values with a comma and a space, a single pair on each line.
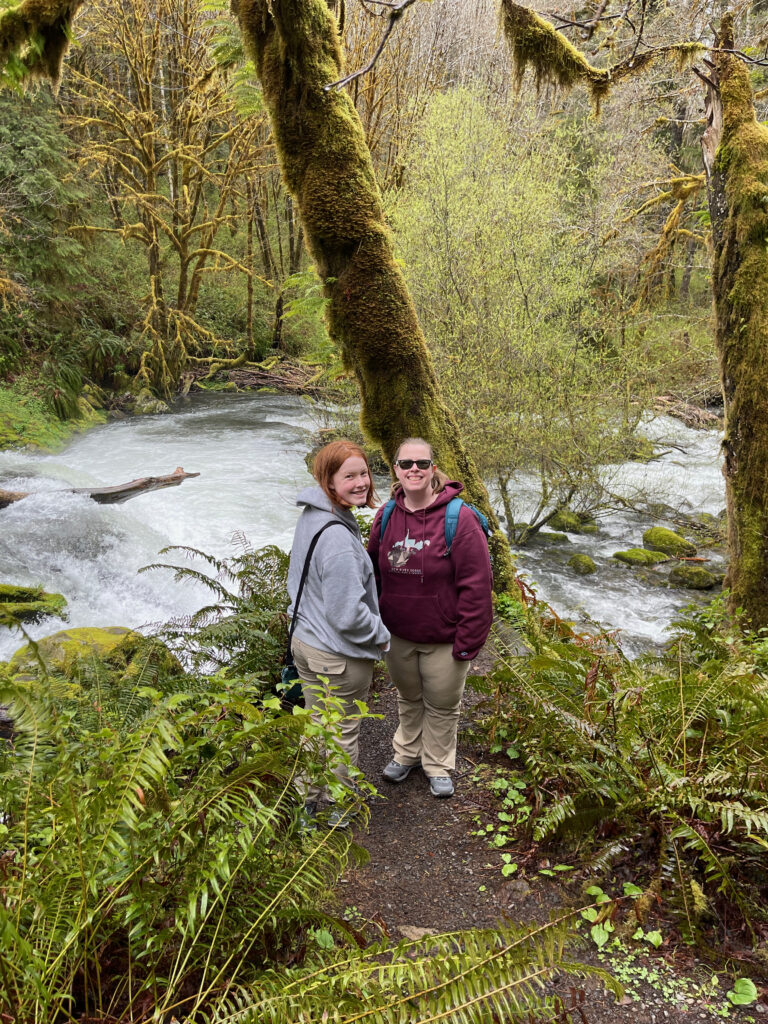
400, 552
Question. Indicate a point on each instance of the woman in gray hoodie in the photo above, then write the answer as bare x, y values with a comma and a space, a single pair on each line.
338, 633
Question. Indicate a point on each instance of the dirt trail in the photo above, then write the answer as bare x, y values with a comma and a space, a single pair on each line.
427, 871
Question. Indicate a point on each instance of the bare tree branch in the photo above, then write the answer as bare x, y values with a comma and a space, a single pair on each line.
396, 12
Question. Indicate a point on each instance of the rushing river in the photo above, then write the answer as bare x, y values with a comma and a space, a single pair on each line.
250, 451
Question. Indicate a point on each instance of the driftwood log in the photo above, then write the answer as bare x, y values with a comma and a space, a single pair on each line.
112, 495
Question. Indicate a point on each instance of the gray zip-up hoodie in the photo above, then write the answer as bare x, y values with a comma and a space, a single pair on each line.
339, 609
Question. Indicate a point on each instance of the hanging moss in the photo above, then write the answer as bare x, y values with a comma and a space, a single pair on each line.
739, 213
535, 43
34, 37
327, 168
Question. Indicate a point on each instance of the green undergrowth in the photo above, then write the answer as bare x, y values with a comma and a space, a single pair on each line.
155, 863
27, 419
654, 770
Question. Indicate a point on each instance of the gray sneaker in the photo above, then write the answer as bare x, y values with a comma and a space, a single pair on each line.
441, 786
395, 772
339, 818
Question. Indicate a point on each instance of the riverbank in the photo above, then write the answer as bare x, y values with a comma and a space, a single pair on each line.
26, 421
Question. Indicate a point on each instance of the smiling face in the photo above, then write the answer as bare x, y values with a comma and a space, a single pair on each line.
416, 483
351, 483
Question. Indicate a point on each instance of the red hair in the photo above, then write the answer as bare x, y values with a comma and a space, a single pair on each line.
329, 460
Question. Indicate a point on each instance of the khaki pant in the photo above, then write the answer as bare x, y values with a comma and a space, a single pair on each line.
430, 685
349, 679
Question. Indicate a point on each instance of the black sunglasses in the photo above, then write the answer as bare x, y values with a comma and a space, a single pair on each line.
420, 463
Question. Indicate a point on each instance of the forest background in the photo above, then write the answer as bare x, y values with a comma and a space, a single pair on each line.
558, 262
559, 265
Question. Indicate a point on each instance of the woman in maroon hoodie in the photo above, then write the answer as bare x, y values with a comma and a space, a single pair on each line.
437, 606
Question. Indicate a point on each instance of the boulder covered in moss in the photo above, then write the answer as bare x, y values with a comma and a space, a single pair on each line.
564, 519
692, 577
582, 565
147, 404
548, 537
659, 538
29, 604
572, 522
640, 556
74, 653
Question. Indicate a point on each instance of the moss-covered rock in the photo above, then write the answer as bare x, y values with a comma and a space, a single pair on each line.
582, 565
147, 404
572, 522
548, 537
72, 653
28, 604
659, 538
61, 651
692, 577
640, 556
564, 519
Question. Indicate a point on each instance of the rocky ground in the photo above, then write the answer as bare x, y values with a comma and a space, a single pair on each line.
429, 871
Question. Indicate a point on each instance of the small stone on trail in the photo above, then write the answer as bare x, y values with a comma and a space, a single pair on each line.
409, 931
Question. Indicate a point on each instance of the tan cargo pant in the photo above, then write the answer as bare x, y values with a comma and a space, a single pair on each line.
349, 679
430, 685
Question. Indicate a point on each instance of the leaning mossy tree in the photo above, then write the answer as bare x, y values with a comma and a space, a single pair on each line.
328, 170
735, 149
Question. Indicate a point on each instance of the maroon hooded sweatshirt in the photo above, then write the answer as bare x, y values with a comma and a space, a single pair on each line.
427, 595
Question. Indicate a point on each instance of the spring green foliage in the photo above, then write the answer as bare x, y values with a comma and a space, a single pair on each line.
663, 762
494, 224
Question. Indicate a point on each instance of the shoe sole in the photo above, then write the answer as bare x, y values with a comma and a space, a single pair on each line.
400, 778
441, 796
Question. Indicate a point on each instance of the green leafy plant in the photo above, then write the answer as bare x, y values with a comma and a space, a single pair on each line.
245, 629
662, 762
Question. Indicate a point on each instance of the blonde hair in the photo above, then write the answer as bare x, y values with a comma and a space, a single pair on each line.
439, 478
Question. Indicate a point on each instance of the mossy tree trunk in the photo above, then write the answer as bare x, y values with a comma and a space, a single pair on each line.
328, 170
735, 150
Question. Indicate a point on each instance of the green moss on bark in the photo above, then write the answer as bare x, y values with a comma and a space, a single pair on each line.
739, 208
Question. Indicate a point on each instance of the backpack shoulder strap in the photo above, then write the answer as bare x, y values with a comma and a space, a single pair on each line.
386, 513
452, 510
305, 573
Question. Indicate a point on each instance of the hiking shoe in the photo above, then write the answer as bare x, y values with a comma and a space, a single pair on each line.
395, 772
441, 786
307, 816
339, 818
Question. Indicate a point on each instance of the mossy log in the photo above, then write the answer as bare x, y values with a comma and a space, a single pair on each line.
116, 494
735, 148
328, 170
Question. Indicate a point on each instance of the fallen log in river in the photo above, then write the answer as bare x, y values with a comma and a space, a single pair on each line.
111, 495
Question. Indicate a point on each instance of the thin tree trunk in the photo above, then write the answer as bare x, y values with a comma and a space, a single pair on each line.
328, 170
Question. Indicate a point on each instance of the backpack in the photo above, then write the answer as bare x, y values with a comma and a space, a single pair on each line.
452, 510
